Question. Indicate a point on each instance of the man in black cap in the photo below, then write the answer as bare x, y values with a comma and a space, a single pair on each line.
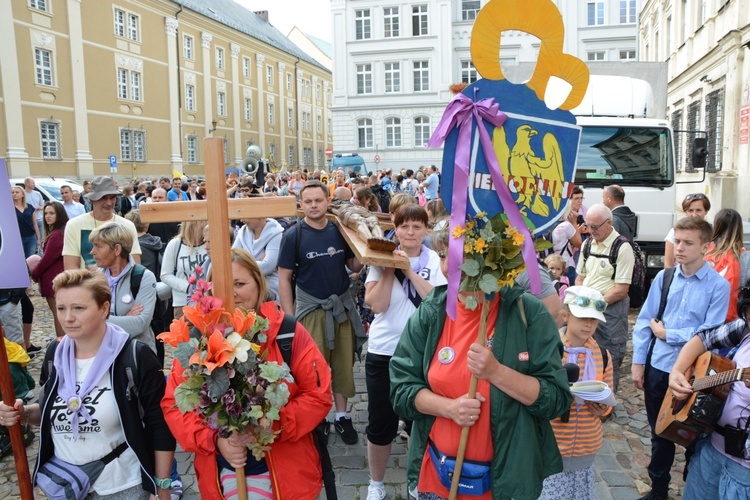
77, 247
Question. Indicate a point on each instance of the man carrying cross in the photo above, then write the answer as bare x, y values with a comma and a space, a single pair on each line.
324, 306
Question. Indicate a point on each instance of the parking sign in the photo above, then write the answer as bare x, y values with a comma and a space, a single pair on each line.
112, 164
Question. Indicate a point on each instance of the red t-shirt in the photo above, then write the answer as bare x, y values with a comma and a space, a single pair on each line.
451, 380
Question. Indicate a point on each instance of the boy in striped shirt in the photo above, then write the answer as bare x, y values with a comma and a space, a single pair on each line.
579, 433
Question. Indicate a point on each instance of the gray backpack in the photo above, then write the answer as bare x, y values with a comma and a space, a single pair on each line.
744, 268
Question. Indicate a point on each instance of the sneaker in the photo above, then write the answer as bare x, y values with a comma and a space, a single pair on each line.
345, 428
176, 490
375, 491
33, 348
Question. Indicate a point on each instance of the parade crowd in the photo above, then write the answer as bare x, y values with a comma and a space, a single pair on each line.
105, 406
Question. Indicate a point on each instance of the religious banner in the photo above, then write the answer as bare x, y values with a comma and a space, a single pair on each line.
505, 152
15, 273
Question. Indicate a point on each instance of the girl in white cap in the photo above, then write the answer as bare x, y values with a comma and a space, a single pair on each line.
579, 432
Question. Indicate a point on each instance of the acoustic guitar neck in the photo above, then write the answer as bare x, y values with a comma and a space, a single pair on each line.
704, 383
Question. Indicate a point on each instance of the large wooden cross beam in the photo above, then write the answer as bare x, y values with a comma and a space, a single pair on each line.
218, 211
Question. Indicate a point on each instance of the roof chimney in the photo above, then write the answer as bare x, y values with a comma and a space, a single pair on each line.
263, 14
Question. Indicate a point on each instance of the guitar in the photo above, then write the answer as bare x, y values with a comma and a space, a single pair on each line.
684, 421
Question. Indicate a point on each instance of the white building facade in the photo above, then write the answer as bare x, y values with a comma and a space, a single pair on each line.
707, 46
394, 63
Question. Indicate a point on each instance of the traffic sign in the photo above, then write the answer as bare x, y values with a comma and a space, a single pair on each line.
377, 158
112, 164
329, 152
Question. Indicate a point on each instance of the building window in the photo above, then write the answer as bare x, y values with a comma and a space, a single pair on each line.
390, 22
290, 118
39, 5
192, 149
319, 123
307, 156
393, 132
714, 129
246, 67
421, 130
221, 103
704, 11
317, 92
676, 126
269, 75
693, 122
219, 58
306, 120
627, 11
291, 155
419, 20
50, 133
289, 82
392, 77
126, 24
421, 76
468, 72
595, 12
469, 9
128, 84
362, 24
597, 55
43, 63
627, 55
227, 161
270, 113
248, 109
364, 133
272, 151
190, 97
132, 145
187, 46
320, 157
364, 79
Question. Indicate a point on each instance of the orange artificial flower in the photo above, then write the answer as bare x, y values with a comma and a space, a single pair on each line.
217, 352
242, 323
178, 332
204, 322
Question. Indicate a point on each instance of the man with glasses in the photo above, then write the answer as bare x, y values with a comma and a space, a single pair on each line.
697, 299
596, 271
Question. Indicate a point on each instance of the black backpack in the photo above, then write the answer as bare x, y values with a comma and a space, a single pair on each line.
383, 196
637, 289
284, 339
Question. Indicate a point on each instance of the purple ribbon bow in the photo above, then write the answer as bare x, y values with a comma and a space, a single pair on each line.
461, 112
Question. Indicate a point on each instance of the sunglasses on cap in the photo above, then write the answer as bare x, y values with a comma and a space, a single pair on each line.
599, 305
696, 196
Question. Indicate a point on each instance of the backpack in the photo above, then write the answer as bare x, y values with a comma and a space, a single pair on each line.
383, 196
637, 289
136, 275
409, 187
284, 339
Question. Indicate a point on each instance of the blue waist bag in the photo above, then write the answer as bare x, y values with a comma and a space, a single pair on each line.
475, 478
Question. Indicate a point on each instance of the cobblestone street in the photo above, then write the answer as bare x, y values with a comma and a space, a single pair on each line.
620, 465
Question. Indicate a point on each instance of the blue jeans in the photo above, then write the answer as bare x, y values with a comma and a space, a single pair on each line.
29, 245
713, 475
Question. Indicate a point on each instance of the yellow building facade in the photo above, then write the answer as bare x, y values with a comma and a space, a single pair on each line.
143, 81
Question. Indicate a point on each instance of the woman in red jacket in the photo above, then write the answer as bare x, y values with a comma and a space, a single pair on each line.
51, 263
292, 468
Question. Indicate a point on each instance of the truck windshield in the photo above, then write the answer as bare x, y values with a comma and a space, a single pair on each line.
628, 156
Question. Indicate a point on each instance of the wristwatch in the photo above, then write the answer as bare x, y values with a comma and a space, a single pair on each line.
164, 484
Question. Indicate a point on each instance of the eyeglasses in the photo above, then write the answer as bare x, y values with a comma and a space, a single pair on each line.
596, 228
599, 305
696, 196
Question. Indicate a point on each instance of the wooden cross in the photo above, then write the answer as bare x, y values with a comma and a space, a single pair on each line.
218, 212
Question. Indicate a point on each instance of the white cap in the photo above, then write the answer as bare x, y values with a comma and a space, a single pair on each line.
585, 302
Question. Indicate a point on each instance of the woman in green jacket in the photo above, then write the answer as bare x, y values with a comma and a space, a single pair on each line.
522, 386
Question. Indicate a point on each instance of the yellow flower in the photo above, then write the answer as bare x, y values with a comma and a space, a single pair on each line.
458, 231
470, 225
480, 245
506, 281
468, 247
481, 215
255, 347
515, 236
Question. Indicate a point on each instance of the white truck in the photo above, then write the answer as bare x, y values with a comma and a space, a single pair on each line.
624, 142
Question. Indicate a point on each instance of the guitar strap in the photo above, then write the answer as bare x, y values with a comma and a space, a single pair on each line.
666, 283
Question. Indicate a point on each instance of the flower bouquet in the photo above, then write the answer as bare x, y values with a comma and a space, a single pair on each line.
229, 383
492, 255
